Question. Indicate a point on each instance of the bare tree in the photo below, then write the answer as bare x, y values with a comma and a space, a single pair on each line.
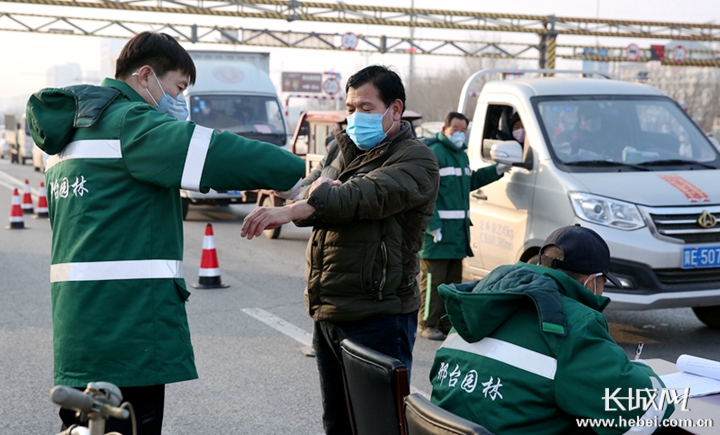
434, 95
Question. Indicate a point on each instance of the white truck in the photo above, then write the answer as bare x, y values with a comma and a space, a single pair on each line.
233, 92
620, 158
17, 135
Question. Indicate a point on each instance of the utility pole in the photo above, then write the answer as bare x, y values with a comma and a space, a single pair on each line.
411, 72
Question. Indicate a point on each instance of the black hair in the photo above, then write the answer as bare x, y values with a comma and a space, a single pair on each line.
455, 115
387, 82
513, 119
159, 50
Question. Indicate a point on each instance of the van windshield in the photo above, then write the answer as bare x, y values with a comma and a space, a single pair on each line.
639, 133
241, 114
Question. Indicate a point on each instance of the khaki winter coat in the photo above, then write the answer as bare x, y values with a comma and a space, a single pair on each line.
362, 257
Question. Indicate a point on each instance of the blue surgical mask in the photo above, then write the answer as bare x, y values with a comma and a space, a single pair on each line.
177, 108
365, 129
457, 138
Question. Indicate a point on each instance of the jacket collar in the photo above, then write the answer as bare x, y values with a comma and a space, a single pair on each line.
572, 289
124, 89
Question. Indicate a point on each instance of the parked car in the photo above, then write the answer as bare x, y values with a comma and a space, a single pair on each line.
4, 148
17, 136
429, 129
39, 158
620, 158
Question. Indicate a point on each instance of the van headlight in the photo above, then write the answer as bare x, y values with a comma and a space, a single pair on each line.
606, 211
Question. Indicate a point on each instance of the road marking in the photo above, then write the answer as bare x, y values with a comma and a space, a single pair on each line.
298, 334
9, 186
18, 184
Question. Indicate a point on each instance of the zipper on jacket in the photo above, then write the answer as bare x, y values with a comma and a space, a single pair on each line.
383, 250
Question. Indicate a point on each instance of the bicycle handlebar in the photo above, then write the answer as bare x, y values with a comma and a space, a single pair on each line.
71, 398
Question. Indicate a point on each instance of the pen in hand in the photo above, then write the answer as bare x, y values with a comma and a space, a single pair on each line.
638, 350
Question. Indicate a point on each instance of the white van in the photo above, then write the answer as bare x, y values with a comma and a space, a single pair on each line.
620, 158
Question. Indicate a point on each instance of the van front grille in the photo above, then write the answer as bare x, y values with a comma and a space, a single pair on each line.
687, 276
685, 226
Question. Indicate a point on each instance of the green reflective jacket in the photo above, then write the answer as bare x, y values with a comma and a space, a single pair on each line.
453, 201
531, 352
114, 173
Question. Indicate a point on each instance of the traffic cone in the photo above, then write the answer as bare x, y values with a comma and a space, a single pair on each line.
27, 204
42, 208
17, 221
209, 276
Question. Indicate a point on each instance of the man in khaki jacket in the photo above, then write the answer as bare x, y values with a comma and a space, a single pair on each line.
369, 202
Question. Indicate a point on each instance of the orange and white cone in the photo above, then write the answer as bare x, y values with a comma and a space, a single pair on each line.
27, 204
42, 208
17, 221
209, 276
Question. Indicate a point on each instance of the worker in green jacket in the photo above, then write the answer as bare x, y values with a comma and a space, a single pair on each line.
447, 239
530, 352
119, 155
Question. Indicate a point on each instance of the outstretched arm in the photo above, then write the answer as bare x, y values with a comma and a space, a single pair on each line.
268, 218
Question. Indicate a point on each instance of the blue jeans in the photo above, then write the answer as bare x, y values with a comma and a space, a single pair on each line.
390, 335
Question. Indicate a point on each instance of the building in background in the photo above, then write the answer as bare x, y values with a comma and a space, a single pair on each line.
109, 51
59, 76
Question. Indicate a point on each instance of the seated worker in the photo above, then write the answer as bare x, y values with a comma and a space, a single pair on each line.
447, 239
530, 351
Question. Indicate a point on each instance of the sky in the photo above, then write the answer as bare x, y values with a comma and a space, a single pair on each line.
26, 57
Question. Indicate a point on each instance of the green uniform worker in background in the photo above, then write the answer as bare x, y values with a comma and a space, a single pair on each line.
119, 154
447, 239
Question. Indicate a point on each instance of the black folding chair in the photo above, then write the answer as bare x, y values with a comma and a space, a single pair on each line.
376, 387
422, 417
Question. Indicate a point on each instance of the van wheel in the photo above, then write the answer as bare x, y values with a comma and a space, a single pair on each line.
710, 316
271, 234
185, 207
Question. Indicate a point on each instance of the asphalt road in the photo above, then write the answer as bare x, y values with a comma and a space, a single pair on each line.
254, 379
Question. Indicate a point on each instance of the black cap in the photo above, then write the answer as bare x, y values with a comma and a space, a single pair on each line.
584, 250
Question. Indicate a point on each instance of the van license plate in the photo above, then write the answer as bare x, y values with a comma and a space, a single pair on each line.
233, 192
708, 256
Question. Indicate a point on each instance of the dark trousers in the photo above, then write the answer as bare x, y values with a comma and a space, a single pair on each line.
391, 335
148, 403
441, 272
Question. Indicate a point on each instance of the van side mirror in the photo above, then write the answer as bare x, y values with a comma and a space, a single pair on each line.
509, 152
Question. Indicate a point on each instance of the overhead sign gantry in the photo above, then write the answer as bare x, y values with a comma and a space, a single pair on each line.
548, 28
